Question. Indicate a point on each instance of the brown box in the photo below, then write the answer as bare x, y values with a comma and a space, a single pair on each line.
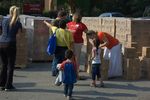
108, 25
132, 44
92, 23
146, 52
145, 67
38, 34
104, 69
130, 52
22, 49
133, 70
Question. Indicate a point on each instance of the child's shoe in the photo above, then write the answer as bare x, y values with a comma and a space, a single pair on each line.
69, 98
65, 95
101, 85
93, 85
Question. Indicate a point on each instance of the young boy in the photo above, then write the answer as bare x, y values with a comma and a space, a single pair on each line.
69, 74
96, 63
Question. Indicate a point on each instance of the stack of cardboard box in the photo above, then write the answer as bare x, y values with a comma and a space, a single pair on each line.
131, 64
38, 34
21, 56
134, 35
145, 62
108, 25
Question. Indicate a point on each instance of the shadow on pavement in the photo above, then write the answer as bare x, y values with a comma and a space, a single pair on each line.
23, 85
95, 93
35, 67
40, 90
127, 87
88, 98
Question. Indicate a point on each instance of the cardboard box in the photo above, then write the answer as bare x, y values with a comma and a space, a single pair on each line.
133, 70
130, 52
146, 52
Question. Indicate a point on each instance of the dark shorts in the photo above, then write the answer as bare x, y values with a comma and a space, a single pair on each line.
96, 71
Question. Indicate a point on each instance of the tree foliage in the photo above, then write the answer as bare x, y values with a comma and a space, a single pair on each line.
132, 8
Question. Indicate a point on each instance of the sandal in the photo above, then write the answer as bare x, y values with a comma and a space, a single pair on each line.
93, 85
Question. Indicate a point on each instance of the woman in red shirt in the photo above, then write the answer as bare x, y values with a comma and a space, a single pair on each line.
112, 51
77, 28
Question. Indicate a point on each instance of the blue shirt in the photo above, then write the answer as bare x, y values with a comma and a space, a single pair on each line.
9, 34
69, 76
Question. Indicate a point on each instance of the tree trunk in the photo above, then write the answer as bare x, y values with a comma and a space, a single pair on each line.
72, 5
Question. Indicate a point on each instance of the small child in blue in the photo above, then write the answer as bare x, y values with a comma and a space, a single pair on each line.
69, 74
96, 63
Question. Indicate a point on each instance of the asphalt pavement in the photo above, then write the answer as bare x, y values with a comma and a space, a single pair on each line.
36, 83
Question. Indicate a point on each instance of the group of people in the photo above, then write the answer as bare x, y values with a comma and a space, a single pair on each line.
69, 39
68, 50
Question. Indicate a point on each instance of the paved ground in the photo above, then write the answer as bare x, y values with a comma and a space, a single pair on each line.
36, 83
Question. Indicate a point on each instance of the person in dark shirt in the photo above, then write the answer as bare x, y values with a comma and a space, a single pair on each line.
10, 28
61, 15
1, 18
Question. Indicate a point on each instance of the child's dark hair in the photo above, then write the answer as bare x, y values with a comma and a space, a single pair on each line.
62, 24
96, 43
61, 13
55, 23
91, 32
68, 54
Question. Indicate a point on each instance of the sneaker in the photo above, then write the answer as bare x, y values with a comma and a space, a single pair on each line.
69, 98
10, 89
65, 95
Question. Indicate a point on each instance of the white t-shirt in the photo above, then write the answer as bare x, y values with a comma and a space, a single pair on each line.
97, 59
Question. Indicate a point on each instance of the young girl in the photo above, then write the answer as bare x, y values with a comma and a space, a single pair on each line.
69, 73
96, 63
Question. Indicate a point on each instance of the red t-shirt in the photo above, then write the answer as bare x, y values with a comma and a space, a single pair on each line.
77, 30
64, 62
112, 41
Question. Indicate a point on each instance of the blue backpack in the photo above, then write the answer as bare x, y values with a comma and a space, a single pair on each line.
52, 44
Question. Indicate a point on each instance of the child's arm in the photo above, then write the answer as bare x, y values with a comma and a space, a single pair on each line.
93, 54
58, 66
48, 24
61, 66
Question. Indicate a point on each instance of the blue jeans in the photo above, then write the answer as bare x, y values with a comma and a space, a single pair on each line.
96, 71
58, 58
68, 88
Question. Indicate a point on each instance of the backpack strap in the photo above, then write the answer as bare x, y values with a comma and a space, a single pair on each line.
55, 31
